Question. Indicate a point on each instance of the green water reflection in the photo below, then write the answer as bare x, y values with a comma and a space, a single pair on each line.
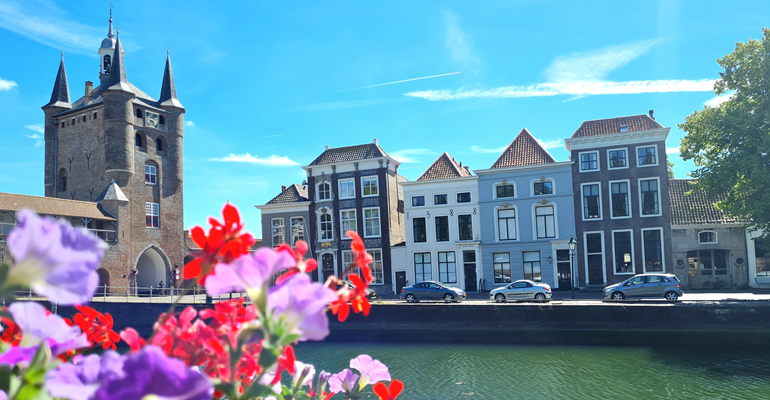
553, 372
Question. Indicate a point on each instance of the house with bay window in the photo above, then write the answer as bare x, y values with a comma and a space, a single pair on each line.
621, 202
442, 227
526, 213
285, 217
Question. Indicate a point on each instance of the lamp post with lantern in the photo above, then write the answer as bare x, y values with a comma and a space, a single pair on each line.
572, 246
2, 249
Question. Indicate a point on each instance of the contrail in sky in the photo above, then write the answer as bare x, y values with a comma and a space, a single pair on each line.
405, 80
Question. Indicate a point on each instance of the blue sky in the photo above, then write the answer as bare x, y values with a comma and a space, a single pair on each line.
268, 84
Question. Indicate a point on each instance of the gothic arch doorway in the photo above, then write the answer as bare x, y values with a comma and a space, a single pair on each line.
153, 267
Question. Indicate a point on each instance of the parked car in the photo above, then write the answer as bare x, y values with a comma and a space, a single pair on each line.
430, 290
522, 289
370, 293
646, 285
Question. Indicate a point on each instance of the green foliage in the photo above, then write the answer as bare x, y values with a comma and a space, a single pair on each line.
730, 144
670, 169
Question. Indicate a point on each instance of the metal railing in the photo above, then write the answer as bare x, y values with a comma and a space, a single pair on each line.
151, 294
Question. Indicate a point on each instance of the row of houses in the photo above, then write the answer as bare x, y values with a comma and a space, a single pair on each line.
484, 228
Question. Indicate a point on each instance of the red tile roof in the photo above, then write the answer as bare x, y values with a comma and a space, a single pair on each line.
444, 167
609, 126
524, 150
54, 206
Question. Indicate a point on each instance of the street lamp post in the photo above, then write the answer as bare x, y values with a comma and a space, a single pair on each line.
572, 245
2, 249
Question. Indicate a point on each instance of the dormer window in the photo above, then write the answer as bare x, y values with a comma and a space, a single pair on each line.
624, 128
139, 113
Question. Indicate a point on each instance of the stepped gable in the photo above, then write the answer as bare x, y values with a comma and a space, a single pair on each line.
524, 150
609, 126
350, 153
445, 167
292, 194
694, 208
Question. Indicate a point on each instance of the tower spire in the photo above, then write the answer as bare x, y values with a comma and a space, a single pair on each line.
168, 89
109, 33
60, 97
117, 79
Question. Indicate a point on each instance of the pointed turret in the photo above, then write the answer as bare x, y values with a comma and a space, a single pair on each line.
60, 97
117, 79
168, 89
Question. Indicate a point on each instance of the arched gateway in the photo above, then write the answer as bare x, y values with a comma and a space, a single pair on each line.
153, 267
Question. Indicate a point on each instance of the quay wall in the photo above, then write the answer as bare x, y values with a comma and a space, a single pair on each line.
721, 323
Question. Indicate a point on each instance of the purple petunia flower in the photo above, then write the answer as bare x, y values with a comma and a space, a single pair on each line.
302, 305
80, 379
37, 327
372, 371
250, 273
3, 395
151, 372
343, 381
299, 368
54, 259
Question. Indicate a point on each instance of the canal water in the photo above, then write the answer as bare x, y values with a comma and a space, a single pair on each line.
554, 372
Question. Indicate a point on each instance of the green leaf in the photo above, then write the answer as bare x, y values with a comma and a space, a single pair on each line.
257, 390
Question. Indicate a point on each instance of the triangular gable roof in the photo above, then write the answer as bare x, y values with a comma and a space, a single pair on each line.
524, 150
445, 167
292, 194
609, 126
112, 192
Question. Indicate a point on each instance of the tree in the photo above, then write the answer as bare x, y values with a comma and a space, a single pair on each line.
729, 143
670, 168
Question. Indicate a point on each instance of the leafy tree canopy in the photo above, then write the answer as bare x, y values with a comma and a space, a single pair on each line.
730, 143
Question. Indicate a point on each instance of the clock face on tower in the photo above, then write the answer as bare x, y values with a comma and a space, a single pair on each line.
151, 119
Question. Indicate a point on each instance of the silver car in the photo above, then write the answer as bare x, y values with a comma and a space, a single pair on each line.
430, 290
523, 289
666, 286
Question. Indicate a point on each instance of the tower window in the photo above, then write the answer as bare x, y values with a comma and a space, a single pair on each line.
150, 174
62, 180
139, 141
139, 113
107, 62
159, 144
162, 120
72, 122
63, 123
152, 215
95, 115
84, 118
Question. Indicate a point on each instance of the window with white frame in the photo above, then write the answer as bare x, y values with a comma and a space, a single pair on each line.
531, 263
502, 267
152, 214
439, 199
506, 223
649, 197
378, 274
465, 227
278, 231
652, 245
545, 222
347, 188
442, 228
620, 200
504, 190
464, 197
707, 237
324, 191
371, 222
589, 161
418, 201
541, 188
617, 158
150, 174
594, 247
592, 206
622, 245
348, 221
645, 156
369, 186
347, 264
297, 229
420, 233
325, 227
447, 270
422, 267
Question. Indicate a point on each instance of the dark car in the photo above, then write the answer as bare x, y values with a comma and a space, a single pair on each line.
430, 290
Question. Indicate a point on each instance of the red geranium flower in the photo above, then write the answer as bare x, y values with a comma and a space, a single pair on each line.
224, 243
97, 326
11, 333
385, 393
357, 296
299, 256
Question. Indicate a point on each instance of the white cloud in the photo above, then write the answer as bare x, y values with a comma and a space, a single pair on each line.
7, 85
406, 155
550, 144
36, 127
271, 161
190, 123
269, 136
38, 139
457, 41
569, 88
672, 150
479, 149
595, 64
716, 101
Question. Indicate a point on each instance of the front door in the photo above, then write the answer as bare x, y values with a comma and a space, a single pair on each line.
400, 281
469, 262
564, 269
327, 265
595, 271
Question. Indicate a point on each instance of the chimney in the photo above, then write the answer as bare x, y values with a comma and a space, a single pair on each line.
652, 112
283, 188
326, 147
375, 141
89, 91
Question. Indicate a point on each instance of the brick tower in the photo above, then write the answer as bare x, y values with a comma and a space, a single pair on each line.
121, 148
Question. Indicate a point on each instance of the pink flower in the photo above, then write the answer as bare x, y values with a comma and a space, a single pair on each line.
372, 371
343, 381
